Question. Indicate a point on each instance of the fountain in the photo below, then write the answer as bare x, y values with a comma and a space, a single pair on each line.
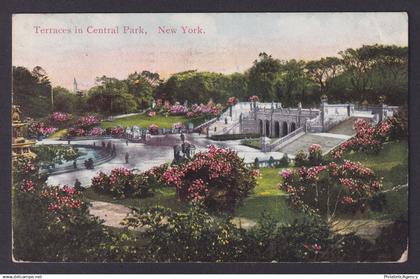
20, 145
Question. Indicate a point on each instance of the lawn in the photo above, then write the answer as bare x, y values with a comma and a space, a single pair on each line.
391, 163
265, 197
144, 121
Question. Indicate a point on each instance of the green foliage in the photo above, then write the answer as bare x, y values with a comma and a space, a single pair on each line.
284, 161
190, 236
55, 154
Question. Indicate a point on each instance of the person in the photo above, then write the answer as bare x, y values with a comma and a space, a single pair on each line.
90, 161
114, 150
94, 144
103, 144
226, 120
182, 137
86, 164
75, 164
126, 142
78, 185
126, 157
68, 140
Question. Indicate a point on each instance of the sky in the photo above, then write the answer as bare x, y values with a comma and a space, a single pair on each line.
216, 42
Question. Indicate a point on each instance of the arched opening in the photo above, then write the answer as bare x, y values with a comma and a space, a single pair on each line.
292, 127
276, 129
267, 128
284, 130
260, 125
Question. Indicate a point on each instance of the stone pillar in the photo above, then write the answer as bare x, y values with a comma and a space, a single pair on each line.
324, 101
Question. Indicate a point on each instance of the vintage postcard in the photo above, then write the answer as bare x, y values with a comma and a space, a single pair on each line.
210, 137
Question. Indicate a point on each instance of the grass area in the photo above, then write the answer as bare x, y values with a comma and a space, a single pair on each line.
391, 164
144, 121
265, 197
58, 134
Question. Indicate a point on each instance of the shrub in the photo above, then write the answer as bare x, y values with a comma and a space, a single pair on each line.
347, 187
217, 177
40, 129
284, 161
123, 183
301, 158
52, 223
190, 236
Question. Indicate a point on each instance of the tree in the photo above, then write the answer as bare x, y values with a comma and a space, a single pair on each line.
324, 71
263, 76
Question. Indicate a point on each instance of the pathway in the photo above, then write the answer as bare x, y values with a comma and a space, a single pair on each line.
325, 140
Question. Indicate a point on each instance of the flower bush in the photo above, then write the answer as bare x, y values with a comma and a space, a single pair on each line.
154, 129
370, 139
313, 158
217, 177
60, 117
117, 131
52, 223
87, 122
96, 132
334, 187
123, 183
40, 129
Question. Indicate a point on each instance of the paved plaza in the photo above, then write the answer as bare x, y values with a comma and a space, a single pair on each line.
143, 156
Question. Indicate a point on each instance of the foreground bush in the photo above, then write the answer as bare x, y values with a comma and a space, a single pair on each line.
218, 178
196, 236
52, 223
345, 188
123, 183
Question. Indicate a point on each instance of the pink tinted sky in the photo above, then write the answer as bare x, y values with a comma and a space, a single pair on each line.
230, 44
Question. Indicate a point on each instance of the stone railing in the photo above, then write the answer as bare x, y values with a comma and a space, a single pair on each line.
263, 164
205, 124
314, 124
282, 140
226, 130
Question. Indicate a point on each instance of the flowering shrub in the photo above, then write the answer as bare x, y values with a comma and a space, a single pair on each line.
178, 109
330, 188
313, 158
254, 98
87, 121
217, 177
40, 129
96, 131
154, 129
370, 138
117, 131
52, 223
232, 101
151, 113
60, 117
122, 182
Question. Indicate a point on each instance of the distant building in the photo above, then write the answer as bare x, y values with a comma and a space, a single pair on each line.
75, 86
76, 90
